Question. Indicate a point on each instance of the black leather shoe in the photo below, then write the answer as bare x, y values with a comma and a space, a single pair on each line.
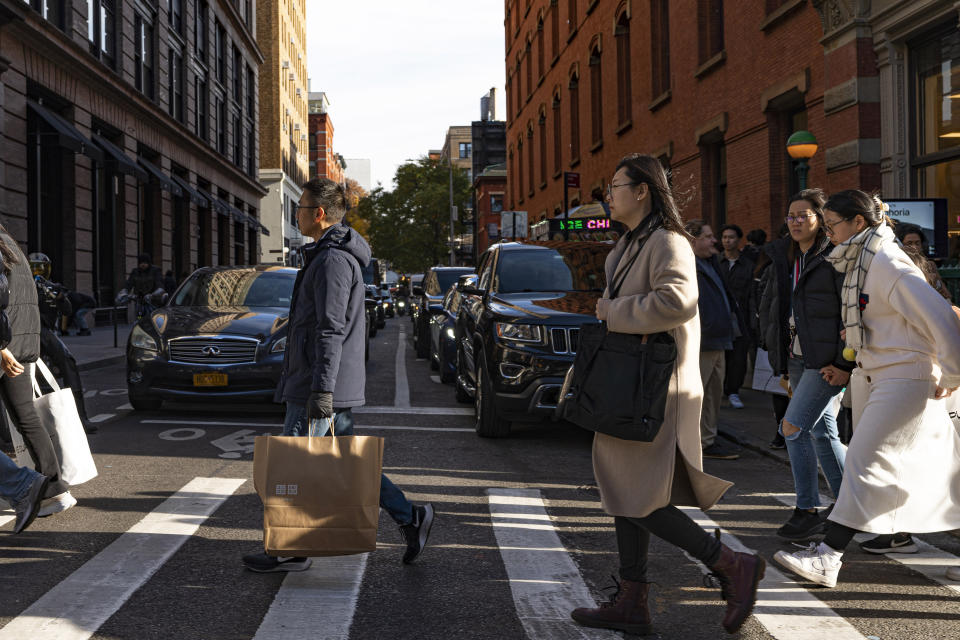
29, 507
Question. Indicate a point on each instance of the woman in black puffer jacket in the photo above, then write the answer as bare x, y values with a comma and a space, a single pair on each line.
18, 358
801, 320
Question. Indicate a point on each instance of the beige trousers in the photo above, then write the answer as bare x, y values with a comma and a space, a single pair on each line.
712, 369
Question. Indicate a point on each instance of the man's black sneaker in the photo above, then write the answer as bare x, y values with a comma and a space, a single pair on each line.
896, 543
28, 508
417, 532
802, 525
718, 451
262, 563
778, 442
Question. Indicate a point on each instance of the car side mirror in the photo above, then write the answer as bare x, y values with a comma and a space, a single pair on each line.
472, 290
417, 291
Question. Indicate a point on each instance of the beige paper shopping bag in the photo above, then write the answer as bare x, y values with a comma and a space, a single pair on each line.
321, 495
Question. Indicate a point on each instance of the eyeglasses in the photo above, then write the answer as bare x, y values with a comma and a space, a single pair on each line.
828, 227
611, 187
800, 217
304, 206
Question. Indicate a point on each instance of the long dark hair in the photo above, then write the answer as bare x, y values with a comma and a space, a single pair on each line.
815, 198
852, 203
645, 169
9, 256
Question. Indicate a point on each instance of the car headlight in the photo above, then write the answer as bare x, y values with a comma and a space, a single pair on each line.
142, 340
386, 304
450, 333
519, 332
401, 303
279, 346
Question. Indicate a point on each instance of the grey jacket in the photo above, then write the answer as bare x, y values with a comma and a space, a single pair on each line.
23, 312
326, 341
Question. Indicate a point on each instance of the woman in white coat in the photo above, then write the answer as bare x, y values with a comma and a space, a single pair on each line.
903, 462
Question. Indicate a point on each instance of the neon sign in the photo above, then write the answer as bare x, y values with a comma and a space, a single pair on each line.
581, 224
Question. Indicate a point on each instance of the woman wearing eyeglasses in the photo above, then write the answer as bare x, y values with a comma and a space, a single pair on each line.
800, 317
903, 463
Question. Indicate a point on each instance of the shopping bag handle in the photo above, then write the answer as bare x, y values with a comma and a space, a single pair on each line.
41, 367
310, 427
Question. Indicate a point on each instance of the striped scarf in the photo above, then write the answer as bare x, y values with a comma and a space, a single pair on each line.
852, 258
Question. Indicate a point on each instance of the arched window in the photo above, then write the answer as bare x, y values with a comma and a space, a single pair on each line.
542, 131
572, 15
540, 69
596, 97
624, 94
557, 159
530, 172
512, 177
519, 166
554, 28
529, 60
574, 117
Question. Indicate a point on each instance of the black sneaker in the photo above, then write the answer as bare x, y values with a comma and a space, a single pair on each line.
417, 532
778, 442
28, 508
802, 525
897, 543
262, 563
718, 451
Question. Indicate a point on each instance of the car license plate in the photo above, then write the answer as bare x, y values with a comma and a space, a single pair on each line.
209, 379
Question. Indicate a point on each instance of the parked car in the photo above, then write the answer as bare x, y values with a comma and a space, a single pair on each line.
379, 314
429, 300
519, 326
221, 336
416, 284
371, 303
443, 344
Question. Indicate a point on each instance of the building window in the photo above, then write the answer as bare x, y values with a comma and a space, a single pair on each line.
251, 93
247, 13
519, 166
102, 29
713, 159
143, 55
528, 57
555, 29
660, 46
200, 107
519, 91
571, 15
251, 151
238, 250
542, 130
221, 46
540, 69
624, 92
530, 172
574, 118
237, 75
51, 10
200, 31
773, 5
466, 150
710, 28
596, 97
221, 106
175, 87
176, 15
511, 176
557, 155
237, 141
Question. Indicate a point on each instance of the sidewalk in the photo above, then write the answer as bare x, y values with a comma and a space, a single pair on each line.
97, 350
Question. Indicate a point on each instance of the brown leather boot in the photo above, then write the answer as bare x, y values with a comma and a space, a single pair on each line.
739, 575
626, 611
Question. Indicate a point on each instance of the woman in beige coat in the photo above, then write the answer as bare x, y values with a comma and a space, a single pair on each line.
641, 483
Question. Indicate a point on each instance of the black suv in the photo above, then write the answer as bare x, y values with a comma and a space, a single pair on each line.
429, 300
518, 328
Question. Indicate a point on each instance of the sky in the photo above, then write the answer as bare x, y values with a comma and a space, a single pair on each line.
398, 74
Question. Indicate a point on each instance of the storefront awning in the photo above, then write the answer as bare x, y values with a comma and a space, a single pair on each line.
158, 176
119, 159
66, 135
197, 198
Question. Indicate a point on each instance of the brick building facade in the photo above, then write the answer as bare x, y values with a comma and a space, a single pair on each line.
130, 131
715, 89
324, 161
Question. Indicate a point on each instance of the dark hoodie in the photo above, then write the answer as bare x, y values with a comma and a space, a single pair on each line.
326, 340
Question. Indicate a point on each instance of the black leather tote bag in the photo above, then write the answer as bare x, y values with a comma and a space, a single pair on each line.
620, 381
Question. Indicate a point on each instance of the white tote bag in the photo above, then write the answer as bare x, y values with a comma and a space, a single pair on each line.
58, 415
953, 408
764, 379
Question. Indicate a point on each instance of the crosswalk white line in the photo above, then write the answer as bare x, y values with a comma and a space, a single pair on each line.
100, 417
544, 581
124, 407
401, 396
78, 605
436, 379
785, 608
929, 561
4, 518
319, 602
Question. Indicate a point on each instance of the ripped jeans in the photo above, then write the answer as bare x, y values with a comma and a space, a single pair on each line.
813, 410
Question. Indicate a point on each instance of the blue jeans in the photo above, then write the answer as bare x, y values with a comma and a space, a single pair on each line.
80, 318
812, 409
14, 481
392, 499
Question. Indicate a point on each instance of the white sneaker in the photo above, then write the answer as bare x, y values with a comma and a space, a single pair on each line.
953, 573
814, 563
56, 504
735, 401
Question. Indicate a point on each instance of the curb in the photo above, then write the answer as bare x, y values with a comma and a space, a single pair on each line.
101, 362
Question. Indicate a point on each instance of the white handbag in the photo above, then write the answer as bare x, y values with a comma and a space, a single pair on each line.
764, 379
58, 415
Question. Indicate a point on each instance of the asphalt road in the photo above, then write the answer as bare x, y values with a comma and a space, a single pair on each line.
519, 538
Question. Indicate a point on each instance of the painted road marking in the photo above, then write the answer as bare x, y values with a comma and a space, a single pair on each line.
125, 407
81, 603
114, 392
193, 434
544, 581
100, 417
320, 600
402, 395
784, 607
180, 434
436, 379
929, 561
4, 519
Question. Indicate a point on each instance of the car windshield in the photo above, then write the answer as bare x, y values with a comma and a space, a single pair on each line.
557, 269
448, 277
236, 288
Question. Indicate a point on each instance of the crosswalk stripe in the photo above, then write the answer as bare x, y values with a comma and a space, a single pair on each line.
318, 602
929, 561
4, 519
786, 609
544, 580
100, 417
77, 606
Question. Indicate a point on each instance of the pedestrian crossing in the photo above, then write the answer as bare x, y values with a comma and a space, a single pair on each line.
544, 575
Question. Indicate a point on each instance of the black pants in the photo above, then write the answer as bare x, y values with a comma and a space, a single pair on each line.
17, 395
736, 365
838, 535
780, 404
56, 354
667, 523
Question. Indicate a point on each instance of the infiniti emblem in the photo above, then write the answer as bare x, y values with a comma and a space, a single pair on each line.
210, 350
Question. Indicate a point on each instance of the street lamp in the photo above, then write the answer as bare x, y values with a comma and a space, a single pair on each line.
801, 146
